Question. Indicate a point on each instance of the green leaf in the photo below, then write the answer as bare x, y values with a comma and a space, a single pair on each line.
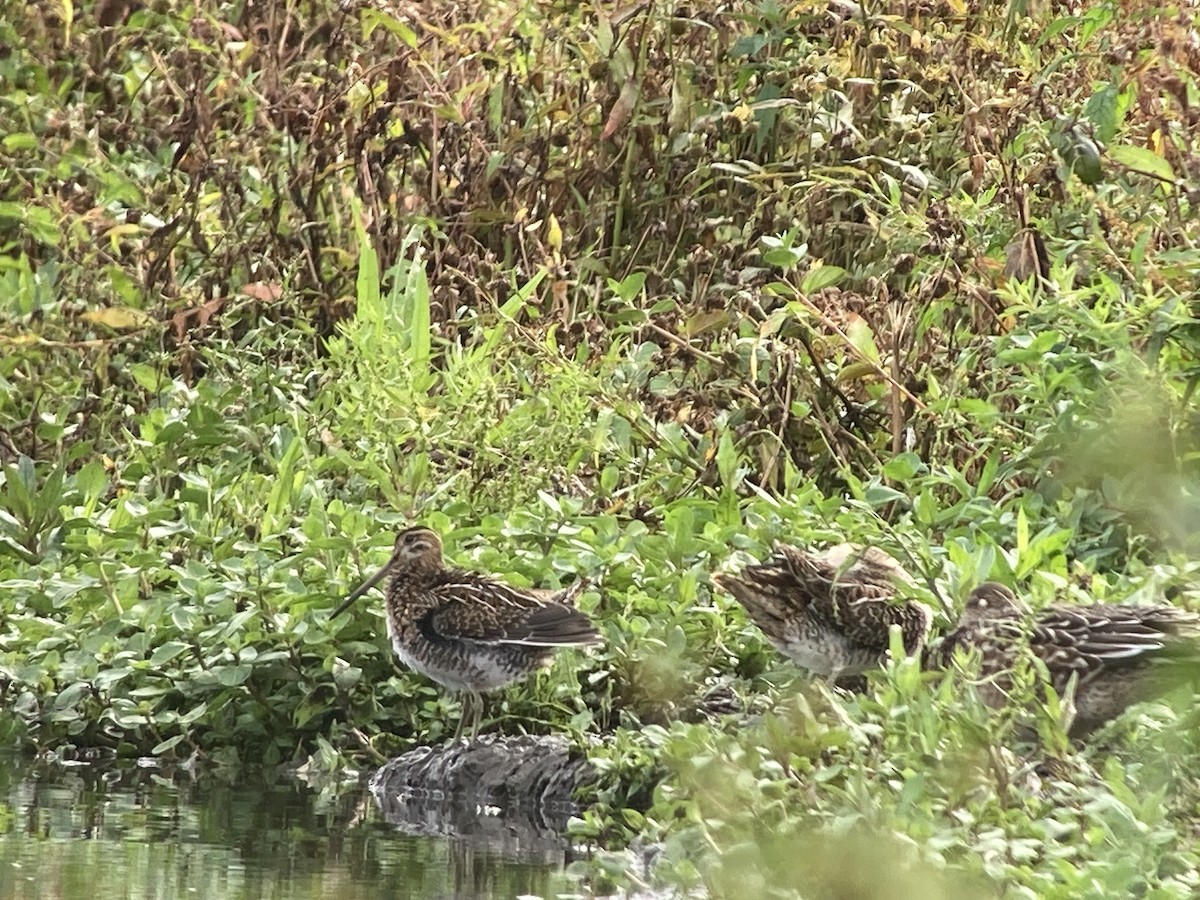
706, 320
370, 305
416, 289
71, 694
164, 653
985, 559
629, 287
347, 677
987, 477
926, 508
275, 517
877, 495
37, 220
1139, 159
508, 310
374, 18
149, 378
610, 476
1022, 532
862, 338
1057, 27
169, 744
821, 277
91, 481
903, 467
676, 641
856, 371
232, 676
1103, 110
21, 140
785, 258
727, 460
194, 715
234, 625
18, 489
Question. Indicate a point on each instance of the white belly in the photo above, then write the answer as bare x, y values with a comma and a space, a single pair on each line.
807, 656
482, 673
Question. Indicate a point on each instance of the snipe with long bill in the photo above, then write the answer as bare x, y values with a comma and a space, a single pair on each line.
466, 631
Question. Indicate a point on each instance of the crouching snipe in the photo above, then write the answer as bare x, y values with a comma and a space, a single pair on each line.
469, 632
1111, 655
830, 612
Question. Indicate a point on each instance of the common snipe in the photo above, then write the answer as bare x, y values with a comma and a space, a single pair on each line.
830, 612
1114, 652
467, 631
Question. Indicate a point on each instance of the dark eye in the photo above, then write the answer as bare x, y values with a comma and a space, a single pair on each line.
409, 538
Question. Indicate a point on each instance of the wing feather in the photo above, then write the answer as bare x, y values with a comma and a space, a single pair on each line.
477, 608
850, 588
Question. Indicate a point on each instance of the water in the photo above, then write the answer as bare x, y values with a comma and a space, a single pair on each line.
89, 833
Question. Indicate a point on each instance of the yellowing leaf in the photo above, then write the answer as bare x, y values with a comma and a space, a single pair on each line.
19, 340
553, 233
118, 318
117, 232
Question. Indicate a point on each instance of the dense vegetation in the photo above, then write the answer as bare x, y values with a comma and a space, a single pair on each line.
627, 294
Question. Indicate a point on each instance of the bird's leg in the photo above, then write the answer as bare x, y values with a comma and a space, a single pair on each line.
831, 682
462, 719
477, 706
837, 690
849, 685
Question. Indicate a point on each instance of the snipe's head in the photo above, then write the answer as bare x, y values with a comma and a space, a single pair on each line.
989, 601
417, 549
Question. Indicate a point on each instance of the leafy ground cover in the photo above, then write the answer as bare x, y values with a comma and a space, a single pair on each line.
622, 293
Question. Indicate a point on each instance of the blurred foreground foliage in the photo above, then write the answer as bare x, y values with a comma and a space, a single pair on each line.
622, 293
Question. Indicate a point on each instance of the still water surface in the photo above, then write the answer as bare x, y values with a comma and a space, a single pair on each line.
88, 833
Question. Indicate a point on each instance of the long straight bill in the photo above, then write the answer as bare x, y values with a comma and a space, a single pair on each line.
362, 589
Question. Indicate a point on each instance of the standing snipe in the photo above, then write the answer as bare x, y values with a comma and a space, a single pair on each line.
466, 631
1113, 652
830, 612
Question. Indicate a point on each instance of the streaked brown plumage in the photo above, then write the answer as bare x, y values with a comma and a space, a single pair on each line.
1114, 652
830, 612
467, 631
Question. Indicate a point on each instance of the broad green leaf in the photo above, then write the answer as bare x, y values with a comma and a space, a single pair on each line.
727, 459
232, 676
822, 277
862, 337
71, 695
419, 335
164, 653
19, 141
372, 19
856, 371
1142, 160
169, 744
